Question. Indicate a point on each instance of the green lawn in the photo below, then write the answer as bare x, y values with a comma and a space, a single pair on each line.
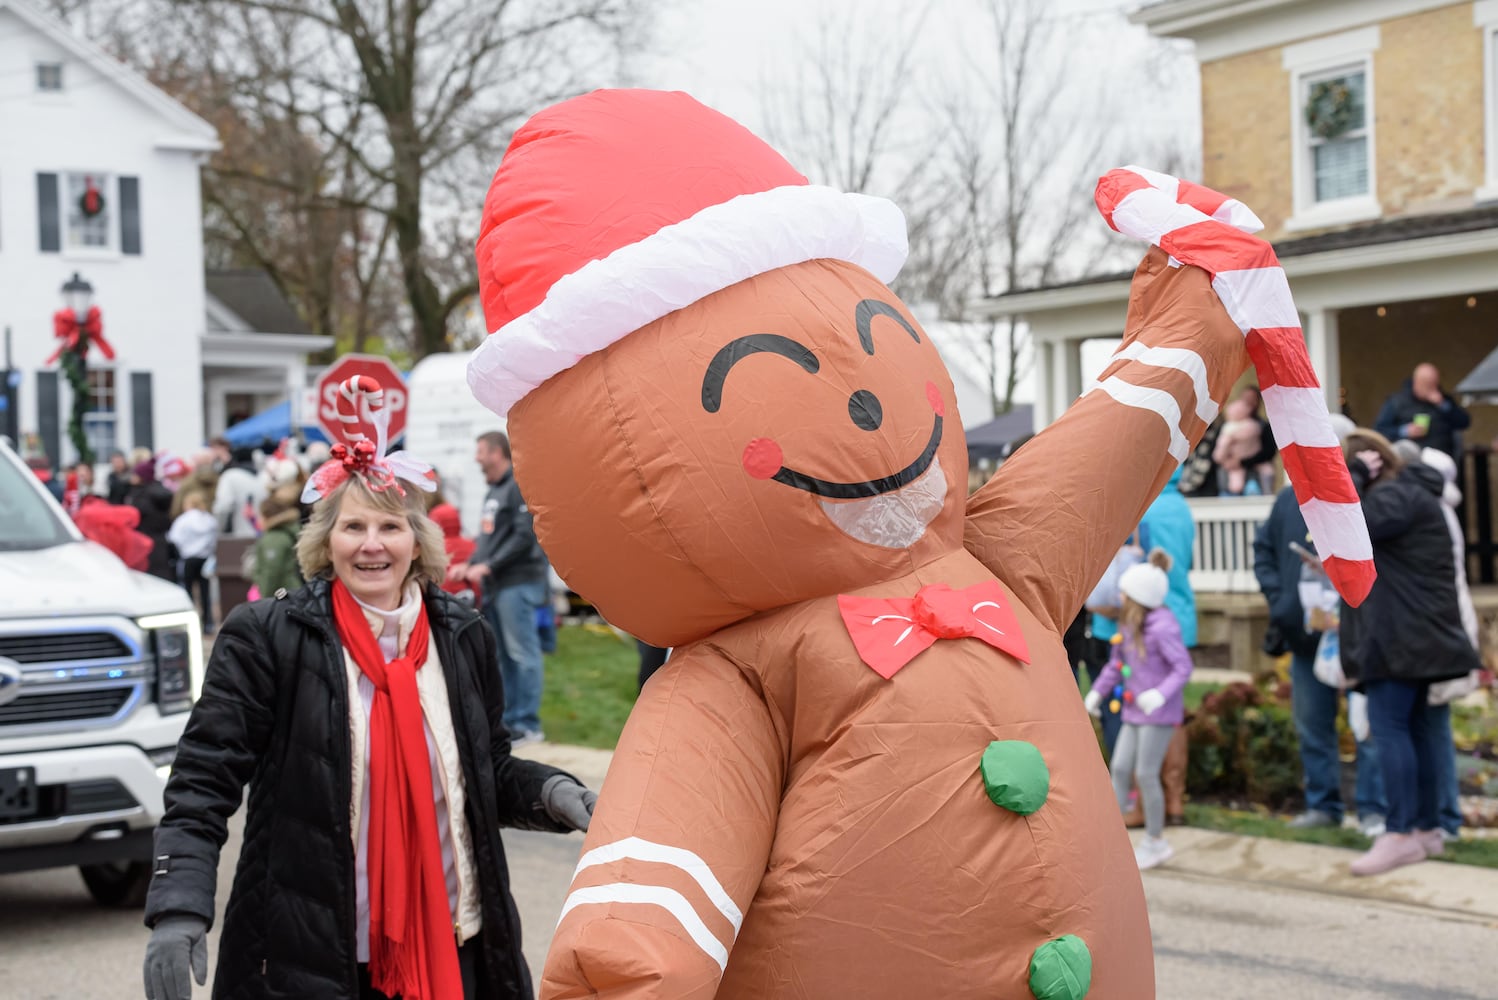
1254, 824
590, 686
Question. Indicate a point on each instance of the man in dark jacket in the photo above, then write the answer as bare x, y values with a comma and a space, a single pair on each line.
1422, 412
510, 566
273, 715
1314, 704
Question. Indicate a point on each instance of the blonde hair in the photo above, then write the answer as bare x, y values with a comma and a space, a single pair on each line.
1131, 613
1363, 439
314, 555
195, 501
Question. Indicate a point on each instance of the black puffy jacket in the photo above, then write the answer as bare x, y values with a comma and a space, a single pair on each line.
274, 715
1410, 626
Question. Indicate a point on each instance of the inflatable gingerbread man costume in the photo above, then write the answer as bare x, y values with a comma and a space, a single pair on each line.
866, 771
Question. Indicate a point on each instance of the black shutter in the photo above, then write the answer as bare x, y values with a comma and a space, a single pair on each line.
49, 220
140, 410
49, 417
130, 215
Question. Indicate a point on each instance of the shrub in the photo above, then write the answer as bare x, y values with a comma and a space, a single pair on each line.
1243, 745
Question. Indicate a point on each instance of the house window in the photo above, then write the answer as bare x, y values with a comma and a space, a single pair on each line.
99, 418
1336, 133
1333, 120
88, 205
48, 77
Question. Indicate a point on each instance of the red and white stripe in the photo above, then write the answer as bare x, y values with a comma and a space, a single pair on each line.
351, 391
671, 863
1202, 228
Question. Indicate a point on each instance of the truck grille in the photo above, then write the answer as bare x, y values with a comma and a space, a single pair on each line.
64, 706
64, 646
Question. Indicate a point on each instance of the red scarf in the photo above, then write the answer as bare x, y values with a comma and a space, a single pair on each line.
412, 951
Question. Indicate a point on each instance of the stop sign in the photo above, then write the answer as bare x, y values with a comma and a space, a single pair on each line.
375, 367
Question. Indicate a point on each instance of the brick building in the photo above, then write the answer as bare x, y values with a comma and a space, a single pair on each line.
1365, 134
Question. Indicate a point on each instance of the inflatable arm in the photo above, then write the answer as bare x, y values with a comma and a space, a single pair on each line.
678, 843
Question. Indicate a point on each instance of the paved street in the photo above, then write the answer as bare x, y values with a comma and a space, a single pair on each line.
1216, 938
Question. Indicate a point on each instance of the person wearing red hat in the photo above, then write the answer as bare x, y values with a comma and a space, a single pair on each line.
865, 770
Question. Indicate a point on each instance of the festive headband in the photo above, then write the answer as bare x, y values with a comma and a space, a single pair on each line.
360, 400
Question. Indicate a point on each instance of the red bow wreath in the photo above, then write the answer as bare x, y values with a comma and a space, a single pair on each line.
77, 337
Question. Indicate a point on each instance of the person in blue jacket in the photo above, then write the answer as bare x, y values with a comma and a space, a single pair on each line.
1168, 524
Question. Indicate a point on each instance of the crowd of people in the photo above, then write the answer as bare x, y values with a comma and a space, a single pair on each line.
1396, 663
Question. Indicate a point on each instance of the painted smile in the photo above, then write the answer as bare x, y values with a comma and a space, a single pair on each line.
867, 488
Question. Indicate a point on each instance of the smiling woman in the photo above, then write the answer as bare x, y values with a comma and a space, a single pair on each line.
366, 707
375, 542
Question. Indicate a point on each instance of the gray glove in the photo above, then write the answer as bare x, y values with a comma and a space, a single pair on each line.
176, 942
568, 802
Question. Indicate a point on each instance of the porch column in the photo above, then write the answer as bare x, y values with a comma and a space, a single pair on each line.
217, 411
1044, 365
1324, 345
1071, 366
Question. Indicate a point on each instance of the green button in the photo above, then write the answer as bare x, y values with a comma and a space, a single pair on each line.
1061, 969
1015, 776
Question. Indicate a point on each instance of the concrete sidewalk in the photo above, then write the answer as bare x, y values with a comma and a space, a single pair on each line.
1466, 890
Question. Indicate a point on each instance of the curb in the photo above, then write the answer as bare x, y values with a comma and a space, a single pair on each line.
1468, 890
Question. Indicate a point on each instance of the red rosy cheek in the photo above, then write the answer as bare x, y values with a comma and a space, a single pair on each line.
933, 396
763, 458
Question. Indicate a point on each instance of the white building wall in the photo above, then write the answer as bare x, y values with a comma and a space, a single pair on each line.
152, 304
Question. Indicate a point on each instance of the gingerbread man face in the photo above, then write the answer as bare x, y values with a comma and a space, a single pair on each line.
792, 436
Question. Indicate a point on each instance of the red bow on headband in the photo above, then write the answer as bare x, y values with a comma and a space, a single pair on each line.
74, 337
890, 632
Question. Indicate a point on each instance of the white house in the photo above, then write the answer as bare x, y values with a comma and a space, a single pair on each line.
78, 123
74, 119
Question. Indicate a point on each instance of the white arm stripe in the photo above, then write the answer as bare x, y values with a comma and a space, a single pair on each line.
1257, 298
1299, 416
1157, 400
677, 857
670, 900
1182, 360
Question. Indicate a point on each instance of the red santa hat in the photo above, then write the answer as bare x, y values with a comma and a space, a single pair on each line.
616, 208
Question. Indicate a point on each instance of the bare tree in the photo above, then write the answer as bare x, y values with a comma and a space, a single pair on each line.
393, 115
841, 107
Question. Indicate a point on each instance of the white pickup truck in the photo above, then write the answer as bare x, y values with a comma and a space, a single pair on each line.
99, 666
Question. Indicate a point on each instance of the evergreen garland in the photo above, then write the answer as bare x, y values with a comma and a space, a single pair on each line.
72, 367
1331, 108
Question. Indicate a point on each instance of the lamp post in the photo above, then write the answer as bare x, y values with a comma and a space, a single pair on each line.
75, 323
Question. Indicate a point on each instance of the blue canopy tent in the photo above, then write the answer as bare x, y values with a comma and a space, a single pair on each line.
271, 424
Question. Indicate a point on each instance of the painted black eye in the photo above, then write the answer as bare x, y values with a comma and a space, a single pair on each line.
865, 411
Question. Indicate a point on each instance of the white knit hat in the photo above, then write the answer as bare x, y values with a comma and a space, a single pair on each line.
1145, 584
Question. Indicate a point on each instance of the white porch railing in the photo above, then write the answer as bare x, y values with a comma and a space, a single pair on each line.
1222, 560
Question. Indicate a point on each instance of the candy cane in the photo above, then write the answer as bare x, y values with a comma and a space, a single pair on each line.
360, 399
1200, 227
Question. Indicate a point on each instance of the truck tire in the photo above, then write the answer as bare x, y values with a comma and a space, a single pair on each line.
118, 884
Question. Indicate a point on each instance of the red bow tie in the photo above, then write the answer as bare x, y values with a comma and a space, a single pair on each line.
889, 632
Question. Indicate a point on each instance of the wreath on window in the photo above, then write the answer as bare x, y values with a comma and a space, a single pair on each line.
91, 201
1331, 108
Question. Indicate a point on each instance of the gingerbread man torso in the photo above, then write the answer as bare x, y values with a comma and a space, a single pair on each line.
885, 806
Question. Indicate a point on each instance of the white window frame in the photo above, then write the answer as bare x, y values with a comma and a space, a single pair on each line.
96, 420
68, 204
1348, 52
1485, 18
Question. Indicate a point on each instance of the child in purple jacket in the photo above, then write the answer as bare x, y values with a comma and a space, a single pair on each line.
1147, 676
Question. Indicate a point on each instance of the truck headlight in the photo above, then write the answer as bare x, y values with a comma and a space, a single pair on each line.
177, 641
